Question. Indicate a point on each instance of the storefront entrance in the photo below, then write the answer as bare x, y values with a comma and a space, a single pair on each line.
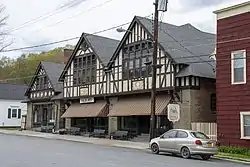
89, 124
43, 115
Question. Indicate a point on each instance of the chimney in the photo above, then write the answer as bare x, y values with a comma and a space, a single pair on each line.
67, 54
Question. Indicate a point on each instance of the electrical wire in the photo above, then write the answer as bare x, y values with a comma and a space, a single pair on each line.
65, 40
48, 14
78, 14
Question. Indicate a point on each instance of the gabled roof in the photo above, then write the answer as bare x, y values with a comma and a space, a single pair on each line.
53, 71
184, 44
187, 45
171, 37
103, 47
12, 91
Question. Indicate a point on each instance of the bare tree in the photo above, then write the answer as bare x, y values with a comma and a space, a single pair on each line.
3, 33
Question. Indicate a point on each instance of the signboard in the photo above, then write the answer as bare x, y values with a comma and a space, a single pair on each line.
87, 100
174, 112
137, 85
84, 91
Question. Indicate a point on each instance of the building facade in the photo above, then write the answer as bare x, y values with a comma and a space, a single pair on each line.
12, 110
44, 97
111, 80
232, 80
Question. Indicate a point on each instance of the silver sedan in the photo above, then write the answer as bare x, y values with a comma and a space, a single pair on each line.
184, 142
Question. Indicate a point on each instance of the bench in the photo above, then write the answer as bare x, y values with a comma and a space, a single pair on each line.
98, 133
48, 129
122, 135
74, 131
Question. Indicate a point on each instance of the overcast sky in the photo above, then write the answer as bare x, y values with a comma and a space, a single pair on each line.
61, 19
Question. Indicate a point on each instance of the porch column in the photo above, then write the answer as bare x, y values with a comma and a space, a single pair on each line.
158, 121
67, 123
113, 124
29, 117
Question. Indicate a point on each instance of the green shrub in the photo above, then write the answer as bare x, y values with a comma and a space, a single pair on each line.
234, 150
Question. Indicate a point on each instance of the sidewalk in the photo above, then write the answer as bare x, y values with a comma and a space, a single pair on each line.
105, 142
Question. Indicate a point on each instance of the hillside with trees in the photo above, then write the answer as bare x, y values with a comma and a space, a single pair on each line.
21, 70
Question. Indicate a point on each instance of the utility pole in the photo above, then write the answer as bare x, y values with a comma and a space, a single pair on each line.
154, 66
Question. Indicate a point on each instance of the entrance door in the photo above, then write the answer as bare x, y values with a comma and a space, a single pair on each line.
45, 116
144, 124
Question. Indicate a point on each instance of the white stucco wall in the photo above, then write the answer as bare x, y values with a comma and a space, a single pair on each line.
4, 105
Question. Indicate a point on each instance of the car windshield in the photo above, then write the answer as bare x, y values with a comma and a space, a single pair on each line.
199, 135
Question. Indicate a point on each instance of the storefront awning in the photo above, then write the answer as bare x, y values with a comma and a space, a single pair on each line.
98, 109
139, 106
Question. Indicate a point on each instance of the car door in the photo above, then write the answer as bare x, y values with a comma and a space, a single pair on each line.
181, 140
167, 141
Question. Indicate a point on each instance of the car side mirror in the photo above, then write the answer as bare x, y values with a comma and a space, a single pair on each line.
162, 137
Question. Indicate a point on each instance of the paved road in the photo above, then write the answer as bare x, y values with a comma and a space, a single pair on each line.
20, 151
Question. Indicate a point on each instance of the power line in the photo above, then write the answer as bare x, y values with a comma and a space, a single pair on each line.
65, 40
61, 21
188, 62
48, 14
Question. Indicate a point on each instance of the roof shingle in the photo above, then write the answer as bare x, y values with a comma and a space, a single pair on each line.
104, 47
186, 45
12, 91
54, 71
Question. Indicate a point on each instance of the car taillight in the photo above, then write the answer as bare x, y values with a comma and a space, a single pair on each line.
198, 142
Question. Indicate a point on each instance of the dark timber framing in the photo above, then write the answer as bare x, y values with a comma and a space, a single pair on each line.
126, 71
40, 86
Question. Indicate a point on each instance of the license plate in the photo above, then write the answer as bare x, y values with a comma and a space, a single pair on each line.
210, 145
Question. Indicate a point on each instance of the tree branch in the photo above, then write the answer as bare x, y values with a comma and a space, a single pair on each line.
3, 34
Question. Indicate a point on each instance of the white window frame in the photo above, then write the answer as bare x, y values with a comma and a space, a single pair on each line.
232, 66
242, 114
14, 108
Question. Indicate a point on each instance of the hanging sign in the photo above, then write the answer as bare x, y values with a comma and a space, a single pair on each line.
174, 112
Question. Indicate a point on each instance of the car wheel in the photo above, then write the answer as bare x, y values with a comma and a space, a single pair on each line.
155, 148
185, 153
205, 157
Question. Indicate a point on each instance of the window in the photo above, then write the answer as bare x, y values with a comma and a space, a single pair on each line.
181, 134
245, 125
14, 112
199, 135
170, 134
84, 70
134, 58
213, 103
238, 67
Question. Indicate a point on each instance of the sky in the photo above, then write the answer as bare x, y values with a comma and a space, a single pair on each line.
35, 22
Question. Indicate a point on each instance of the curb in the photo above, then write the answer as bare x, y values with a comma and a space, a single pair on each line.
231, 160
118, 145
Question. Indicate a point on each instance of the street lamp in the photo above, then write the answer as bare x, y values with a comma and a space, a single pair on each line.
120, 30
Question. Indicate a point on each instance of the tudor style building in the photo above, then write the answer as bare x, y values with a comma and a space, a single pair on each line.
44, 97
233, 80
115, 77
85, 82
